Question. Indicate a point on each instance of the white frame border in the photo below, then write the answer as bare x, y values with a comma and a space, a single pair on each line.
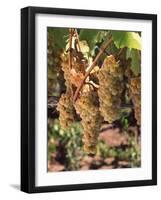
42, 177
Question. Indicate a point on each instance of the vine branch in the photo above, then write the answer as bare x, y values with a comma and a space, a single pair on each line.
77, 40
70, 46
101, 50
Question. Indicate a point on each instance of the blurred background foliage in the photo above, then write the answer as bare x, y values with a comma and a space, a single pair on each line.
119, 144
65, 150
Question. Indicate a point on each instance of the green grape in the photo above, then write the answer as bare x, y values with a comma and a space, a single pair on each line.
66, 69
87, 107
110, 89
66, 110
135, 94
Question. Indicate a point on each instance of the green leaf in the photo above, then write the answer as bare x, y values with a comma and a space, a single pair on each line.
102, 35
126, 39
135, 63
59, 37
84, 47
91, 36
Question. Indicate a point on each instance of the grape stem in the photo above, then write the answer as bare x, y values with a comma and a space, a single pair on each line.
71, 32
77, 40
101, 50
93, 84
120, 52
70, 46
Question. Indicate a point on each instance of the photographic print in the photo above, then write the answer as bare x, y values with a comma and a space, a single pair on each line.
88, 99
94, 99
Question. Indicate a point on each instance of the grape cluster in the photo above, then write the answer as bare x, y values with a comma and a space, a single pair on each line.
87, 107
65, 105
110, 89
135, 94
66, 110
66, 69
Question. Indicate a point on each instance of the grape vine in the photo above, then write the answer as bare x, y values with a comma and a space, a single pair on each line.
94, 91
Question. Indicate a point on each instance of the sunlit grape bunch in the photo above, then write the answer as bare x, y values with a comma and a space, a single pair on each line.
135, 94
110, 89
66, 110
88, 109
67, 70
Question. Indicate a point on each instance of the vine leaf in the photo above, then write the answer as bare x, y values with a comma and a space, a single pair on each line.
91, 36
126, 39
84, 47
135, 63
